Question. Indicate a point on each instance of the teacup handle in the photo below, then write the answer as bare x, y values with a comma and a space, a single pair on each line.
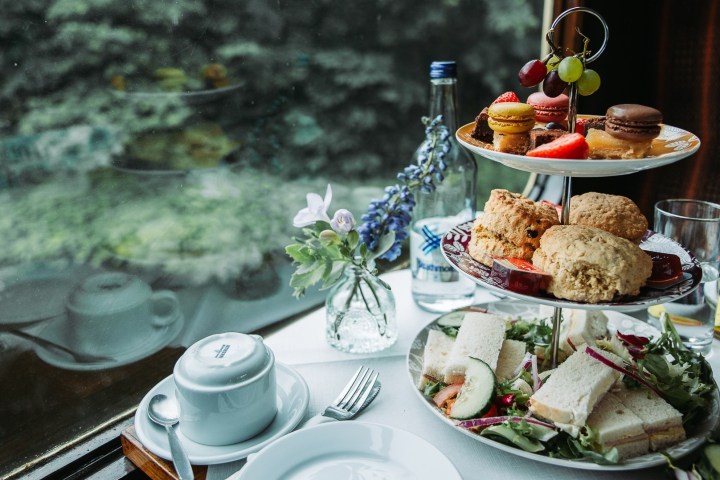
172, 314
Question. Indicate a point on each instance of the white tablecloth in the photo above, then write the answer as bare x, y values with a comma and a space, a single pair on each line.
302, 345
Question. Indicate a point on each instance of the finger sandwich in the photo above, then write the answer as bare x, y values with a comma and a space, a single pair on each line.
578, 328
511, 356
437, 348
661, 421
616, 426
569, 395
480, 336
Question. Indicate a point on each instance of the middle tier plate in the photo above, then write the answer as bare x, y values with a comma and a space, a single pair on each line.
454, 246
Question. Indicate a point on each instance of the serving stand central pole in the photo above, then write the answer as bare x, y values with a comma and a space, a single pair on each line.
557, 313
564, 220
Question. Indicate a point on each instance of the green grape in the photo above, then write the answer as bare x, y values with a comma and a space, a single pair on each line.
588, 83
570, 69
552, 63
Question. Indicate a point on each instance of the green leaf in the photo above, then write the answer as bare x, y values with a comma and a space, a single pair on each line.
386, 242
353, 237
333, 272
363, 250
306, 276
298, 253
331, 252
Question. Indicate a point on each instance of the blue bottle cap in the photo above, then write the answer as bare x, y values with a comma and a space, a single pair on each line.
446, 69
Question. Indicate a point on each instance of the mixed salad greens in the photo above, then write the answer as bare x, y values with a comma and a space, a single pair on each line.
682, 377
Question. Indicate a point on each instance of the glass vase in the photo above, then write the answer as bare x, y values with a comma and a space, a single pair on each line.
360, 311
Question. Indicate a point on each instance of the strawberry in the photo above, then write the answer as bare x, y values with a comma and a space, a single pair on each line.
580, 125
569, 147
506, 97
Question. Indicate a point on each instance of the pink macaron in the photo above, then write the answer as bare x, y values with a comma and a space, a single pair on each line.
549, 109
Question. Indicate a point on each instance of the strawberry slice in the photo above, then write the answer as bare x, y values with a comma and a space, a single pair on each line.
570, 146
580, 125
506, 97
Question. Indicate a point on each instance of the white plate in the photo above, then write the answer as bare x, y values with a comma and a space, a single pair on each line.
349, 451
56, 331
292, 400
671, 145
454, 246
616, 322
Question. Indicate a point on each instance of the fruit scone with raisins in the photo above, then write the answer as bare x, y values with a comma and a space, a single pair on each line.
510, 226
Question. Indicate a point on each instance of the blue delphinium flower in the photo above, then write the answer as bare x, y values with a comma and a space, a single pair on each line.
393, 212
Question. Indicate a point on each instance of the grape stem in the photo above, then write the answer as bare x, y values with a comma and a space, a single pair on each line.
558, 51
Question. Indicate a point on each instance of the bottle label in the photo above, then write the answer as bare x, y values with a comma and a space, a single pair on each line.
426, 258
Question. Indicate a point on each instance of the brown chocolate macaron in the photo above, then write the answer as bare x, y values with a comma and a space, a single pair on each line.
633, 122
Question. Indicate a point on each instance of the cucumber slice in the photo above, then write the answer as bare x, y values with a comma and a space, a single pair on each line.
452, 319
513, 437
477, 393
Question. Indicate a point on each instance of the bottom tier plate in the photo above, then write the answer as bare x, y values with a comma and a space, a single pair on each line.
616, 322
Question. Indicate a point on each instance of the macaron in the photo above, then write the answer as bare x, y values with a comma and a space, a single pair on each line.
633, 122
511, 117
549, 109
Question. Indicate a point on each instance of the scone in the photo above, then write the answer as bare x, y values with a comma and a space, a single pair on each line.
591, 265
517, 219
484, 245
613, 213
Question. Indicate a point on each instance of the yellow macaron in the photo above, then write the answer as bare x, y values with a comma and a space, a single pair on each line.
511, 117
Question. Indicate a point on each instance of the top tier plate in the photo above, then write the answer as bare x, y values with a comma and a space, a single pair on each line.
671, 145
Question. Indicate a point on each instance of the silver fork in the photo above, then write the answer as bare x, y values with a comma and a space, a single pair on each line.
359, 392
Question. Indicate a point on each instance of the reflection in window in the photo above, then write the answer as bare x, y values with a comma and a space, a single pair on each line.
173, 141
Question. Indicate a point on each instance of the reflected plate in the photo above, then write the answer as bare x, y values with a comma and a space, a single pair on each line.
292, 400
454, 247
349, 451
57, 332
673, 144
616, 322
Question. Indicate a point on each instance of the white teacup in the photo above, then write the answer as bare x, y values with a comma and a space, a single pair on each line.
226, 388
112, 313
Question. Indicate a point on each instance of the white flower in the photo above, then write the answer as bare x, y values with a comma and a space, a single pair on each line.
316, 210
343, 221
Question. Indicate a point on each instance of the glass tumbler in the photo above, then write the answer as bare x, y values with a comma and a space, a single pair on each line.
695, 224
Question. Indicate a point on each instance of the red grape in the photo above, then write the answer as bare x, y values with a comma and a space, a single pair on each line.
532, 73
553, 85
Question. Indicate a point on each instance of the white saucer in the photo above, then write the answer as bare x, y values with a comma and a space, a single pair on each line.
35, 299
56, 331
292, 399
347, 451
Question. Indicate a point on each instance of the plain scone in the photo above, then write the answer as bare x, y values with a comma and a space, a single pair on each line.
590, 265
613, 213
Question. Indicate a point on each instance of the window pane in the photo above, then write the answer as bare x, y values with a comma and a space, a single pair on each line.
154, 153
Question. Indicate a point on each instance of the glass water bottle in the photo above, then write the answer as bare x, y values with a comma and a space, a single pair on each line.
436, 285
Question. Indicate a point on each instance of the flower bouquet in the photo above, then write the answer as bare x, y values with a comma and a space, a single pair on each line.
360, 308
